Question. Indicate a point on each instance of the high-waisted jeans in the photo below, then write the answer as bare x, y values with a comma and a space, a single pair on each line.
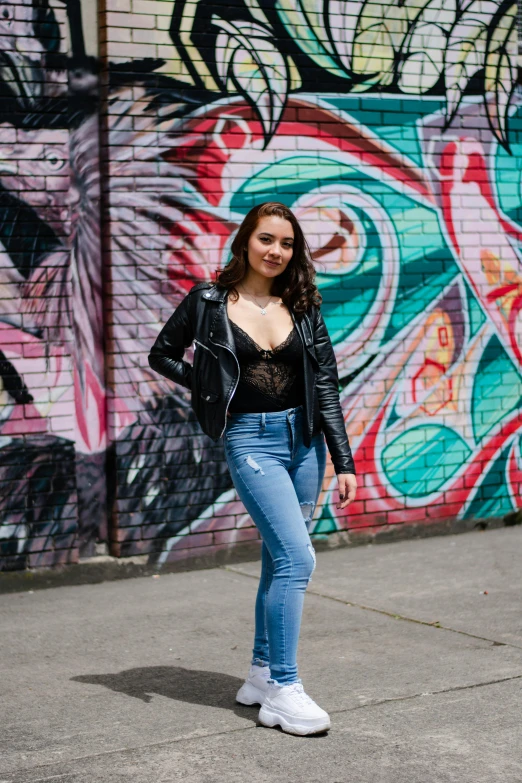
278, 479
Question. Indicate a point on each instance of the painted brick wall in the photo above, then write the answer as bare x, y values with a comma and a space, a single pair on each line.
52, 399
392, 129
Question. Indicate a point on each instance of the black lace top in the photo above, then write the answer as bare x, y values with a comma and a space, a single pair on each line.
268, 380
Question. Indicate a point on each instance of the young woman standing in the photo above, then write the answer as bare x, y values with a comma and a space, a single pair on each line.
264, 377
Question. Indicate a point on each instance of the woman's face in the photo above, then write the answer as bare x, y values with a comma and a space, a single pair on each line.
271, 246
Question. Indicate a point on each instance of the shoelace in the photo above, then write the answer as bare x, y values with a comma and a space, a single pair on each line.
297, 691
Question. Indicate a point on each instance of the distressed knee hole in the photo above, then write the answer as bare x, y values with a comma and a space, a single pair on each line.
253, 464
307, 509
312, 553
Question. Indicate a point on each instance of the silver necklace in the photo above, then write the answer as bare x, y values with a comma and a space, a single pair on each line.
263, 309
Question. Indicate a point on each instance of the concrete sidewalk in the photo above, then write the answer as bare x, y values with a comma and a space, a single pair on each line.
419, 667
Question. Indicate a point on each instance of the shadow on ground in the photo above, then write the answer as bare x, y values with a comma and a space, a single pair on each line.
194, 686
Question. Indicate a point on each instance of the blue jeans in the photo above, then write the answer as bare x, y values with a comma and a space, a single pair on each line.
278, 479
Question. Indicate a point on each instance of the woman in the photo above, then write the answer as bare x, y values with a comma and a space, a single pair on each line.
264, 376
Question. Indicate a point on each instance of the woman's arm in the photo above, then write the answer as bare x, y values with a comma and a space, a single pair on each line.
327, 383
166, 356
332, 419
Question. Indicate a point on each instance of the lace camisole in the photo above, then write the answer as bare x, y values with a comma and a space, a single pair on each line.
269, 380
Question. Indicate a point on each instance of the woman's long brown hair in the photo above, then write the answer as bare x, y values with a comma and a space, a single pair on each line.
295, 285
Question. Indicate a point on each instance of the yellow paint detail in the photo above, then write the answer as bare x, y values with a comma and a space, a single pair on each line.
194, 54
295, 78
257, 12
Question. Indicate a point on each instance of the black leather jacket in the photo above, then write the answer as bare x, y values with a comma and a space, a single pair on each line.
201, 318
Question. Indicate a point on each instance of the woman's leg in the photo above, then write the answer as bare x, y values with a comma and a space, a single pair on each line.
260, 655
307, 476
263, 484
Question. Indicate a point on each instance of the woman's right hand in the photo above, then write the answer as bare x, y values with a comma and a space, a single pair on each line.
347, 489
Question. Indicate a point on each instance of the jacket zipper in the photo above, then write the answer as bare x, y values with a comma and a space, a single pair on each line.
303, 341
206, 348
236, 383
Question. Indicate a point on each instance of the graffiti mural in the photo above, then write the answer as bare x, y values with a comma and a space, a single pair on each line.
392, 129
52, 431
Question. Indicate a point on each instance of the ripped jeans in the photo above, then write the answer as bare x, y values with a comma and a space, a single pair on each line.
278, 479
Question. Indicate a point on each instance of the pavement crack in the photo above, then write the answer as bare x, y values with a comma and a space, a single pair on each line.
452, 689
56, 764
386, 613
17, 774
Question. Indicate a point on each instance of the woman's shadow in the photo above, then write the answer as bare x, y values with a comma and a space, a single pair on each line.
194, 686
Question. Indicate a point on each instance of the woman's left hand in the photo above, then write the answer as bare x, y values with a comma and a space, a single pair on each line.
347, 488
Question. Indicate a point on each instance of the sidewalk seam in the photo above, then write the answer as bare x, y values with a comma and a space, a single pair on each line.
392, 615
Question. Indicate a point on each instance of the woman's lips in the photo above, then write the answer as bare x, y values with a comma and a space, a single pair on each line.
270, 263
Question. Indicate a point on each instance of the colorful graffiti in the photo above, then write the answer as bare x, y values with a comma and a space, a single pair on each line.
404, 170
52, 433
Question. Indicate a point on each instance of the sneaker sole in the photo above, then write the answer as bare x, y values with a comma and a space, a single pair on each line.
248, 695
271, 719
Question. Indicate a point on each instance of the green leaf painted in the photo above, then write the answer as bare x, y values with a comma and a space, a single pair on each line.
475, 313
325, 523
393, 417
419, 461
492, 498
497, 389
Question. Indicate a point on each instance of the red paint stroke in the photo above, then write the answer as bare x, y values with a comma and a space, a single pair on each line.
185, 265
476, 171
204, 159
372, 496
512, 319
515, 476
497, 293
446, 169
427, 363
349, 138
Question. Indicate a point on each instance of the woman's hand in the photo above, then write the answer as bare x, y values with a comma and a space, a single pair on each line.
347, 488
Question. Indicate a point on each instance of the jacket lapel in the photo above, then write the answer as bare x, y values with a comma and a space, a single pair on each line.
220, 330
305, 332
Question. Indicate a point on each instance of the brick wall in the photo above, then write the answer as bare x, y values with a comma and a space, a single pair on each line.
392, 130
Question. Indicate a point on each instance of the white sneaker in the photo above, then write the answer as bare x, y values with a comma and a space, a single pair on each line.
291, 708
255, 687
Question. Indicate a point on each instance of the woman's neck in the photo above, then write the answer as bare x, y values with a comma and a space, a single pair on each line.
256, 284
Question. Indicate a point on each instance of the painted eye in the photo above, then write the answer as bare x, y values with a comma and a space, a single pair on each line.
54, 160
